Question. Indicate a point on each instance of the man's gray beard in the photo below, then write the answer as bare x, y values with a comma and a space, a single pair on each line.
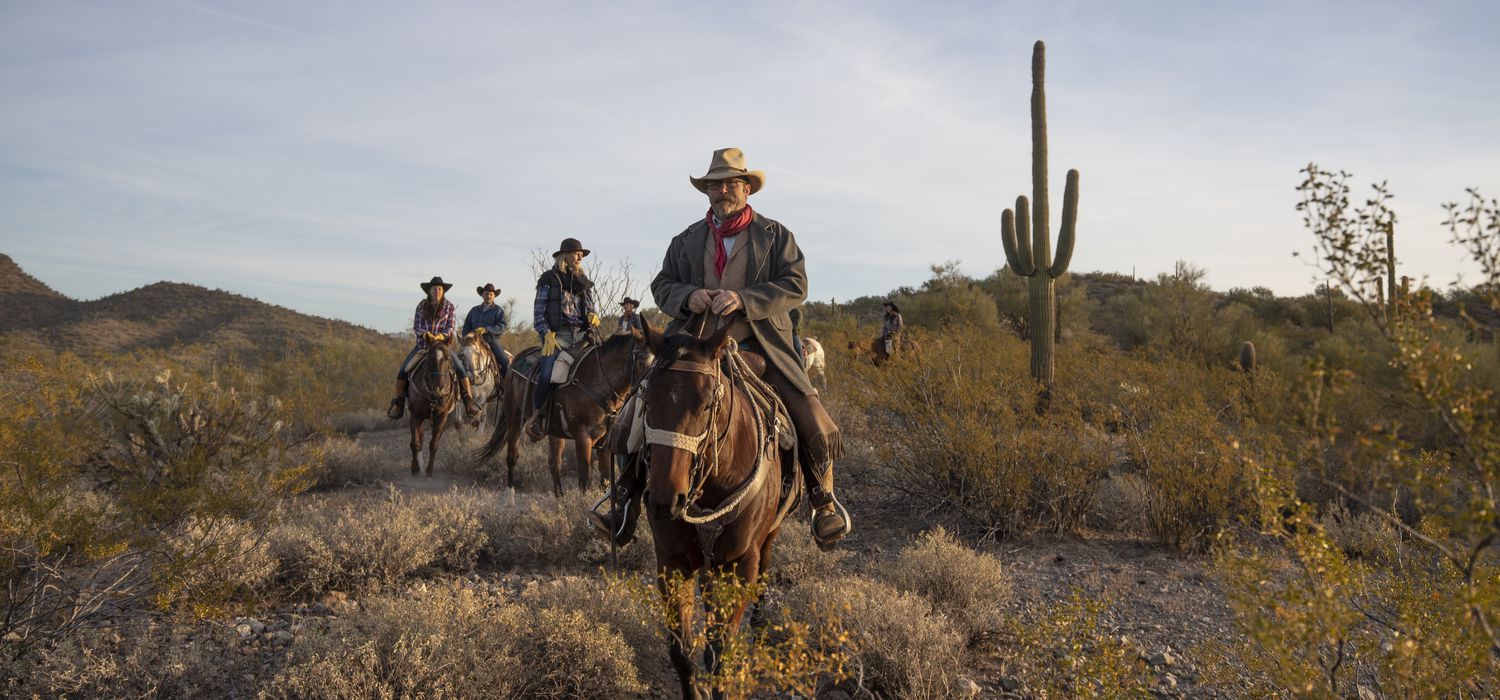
722, 210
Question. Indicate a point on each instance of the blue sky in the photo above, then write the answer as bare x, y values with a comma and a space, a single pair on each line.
327, 156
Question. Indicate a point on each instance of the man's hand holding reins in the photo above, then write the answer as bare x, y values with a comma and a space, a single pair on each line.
726, 302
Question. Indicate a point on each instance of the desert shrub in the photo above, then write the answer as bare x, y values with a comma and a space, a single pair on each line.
966, 586
358, 421
903, 647
1066, 651
343, 543
1195, 481
1365, 535
458, 642
949, 298
139, 659
123, 491
613, 601
344, 462
796, 559
956, 426
1315, 620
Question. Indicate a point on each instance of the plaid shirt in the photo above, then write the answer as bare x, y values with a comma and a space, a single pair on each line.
443, 324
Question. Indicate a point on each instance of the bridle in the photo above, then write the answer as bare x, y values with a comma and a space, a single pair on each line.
704, 447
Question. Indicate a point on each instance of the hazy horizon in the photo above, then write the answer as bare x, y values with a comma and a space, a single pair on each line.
328, 157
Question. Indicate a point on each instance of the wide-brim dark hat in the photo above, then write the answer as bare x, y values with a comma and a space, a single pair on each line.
571, 245
438, 281
893, 306
488, 287
632, 302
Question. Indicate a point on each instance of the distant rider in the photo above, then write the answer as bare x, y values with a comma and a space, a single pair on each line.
433, 324
890, 330
488, 321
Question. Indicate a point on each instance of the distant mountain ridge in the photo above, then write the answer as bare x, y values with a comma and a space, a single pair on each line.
159, 316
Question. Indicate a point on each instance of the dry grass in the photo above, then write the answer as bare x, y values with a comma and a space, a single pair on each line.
458, 642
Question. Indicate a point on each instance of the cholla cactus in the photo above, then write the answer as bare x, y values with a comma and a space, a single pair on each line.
1025, 232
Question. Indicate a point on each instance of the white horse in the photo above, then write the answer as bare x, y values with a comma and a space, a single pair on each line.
813, 360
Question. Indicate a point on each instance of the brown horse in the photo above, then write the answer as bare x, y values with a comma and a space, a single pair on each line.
432, 392
588, 404
713, 479
877, 351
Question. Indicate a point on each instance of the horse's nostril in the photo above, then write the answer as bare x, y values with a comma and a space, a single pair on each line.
679, 504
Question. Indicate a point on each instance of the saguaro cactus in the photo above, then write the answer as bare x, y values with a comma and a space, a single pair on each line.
1025, 232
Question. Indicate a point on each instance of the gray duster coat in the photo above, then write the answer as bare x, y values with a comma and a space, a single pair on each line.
775, 283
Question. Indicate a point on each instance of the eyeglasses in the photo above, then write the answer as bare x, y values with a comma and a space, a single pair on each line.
725, 184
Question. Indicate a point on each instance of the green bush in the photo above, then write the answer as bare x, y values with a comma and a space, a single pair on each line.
966, 586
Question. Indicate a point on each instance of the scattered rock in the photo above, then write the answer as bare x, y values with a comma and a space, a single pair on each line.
837, 694
1169, 681
245, 630
1365, 692
281, 638
247, 677
1010, 683
1161, 659
13, 637
966, 688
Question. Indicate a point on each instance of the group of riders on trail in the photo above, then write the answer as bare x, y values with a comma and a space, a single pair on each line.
732, 269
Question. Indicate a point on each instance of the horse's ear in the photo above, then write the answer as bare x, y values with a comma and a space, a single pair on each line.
720, 339
649, 335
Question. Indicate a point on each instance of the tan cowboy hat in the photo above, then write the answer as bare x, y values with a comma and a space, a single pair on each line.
729, 163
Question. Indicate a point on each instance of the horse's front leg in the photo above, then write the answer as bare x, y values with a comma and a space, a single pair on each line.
676, 586
554, 463
745, 572
439, 422
416, 444
583, 451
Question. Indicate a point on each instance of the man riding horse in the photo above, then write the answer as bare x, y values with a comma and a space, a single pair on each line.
433, 325
891, 327
564, 318
630, 320
745, 271
488, 321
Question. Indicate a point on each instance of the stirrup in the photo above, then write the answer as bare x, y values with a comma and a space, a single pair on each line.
398, 407
827, 543
622, 533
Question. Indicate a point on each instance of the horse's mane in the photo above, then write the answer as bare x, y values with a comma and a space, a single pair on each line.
615, 341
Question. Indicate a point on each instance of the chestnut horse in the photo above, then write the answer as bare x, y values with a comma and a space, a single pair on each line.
431, 394
588, 403
713, 480
876, 348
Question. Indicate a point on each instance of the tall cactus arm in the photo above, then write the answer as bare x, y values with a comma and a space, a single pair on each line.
1069, 222
1017, 244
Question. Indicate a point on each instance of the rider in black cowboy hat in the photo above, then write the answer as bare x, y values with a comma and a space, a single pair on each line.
488, 321
629, 319
433, 324
563, 315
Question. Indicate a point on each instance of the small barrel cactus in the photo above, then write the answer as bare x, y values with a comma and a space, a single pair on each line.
1247, 356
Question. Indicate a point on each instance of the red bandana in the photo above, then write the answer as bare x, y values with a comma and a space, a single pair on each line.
730, 229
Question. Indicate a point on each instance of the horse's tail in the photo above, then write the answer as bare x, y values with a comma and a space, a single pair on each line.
498, 436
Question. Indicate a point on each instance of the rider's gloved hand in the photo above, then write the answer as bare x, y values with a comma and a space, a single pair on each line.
593, 320
479, 331
549, 344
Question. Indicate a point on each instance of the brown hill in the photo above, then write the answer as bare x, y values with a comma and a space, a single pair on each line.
26, 301
201, 322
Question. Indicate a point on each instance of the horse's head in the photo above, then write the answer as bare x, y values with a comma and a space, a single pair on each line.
685, 390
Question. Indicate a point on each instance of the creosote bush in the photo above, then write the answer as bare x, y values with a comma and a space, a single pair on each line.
904, 648
956, 426
966, 586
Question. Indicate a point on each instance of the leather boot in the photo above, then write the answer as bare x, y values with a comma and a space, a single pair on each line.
471, 407
830, 523
620, 522
398, 404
